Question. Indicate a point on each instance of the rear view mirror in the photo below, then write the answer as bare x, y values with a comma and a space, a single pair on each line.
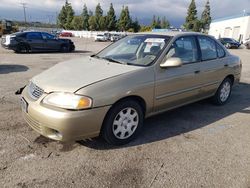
171, 62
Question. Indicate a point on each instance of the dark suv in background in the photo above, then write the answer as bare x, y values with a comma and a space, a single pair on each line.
230, 43
30, 41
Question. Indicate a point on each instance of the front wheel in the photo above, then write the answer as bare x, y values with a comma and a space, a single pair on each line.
223, 93
123, 122
22, 48
228, 46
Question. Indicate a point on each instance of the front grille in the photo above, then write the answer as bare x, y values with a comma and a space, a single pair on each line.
35, 92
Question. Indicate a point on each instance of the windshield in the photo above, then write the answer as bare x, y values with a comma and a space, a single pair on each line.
139, 50
230, 40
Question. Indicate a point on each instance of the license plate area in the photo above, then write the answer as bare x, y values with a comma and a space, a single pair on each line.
24, 105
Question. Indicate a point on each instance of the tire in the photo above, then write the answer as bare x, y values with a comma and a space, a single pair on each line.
22, 48
123, 123
64, 48
223, 93
72, 48
228, 46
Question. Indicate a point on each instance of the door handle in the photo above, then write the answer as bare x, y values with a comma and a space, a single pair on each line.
197, 71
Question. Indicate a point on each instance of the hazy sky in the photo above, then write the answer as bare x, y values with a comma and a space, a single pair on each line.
174, 10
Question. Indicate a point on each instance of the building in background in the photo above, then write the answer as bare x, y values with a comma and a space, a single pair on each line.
236, 27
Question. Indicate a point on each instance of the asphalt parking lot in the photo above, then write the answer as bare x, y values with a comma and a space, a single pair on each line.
199, 145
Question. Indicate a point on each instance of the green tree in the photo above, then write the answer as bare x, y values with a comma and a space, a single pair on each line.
103, 23
77, 23
206, 17
70, 15
120, 24
62, 17
136, 26
92, 23
191, 18
165, 23
154, 22
197, 26
125, 21
85, 17
145, 28
98, 16
111, 19
158, 23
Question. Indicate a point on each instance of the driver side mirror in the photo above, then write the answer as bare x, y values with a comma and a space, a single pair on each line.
171, 62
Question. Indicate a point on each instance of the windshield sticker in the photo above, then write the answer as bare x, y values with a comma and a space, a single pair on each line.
155, 40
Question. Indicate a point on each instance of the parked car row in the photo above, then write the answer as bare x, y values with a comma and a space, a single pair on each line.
113, 37
32, 41
231, 43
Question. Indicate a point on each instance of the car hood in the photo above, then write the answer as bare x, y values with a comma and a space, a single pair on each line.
72, 75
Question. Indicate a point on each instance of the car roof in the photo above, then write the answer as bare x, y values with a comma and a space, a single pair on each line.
171, 33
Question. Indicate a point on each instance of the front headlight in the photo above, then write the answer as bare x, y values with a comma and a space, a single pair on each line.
68, 101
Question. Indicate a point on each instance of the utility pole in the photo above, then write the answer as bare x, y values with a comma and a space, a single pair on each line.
24, 11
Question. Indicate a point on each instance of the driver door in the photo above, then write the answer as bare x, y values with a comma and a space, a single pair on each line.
34, 39
179, 85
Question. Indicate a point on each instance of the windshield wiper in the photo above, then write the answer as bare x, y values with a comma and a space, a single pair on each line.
113, 60
96, 56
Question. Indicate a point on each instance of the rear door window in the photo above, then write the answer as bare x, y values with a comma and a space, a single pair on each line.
47, 36
32, 36
208, 48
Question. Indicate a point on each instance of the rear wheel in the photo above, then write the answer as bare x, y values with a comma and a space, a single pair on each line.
223, 93
123, 122
72, 48
65, 48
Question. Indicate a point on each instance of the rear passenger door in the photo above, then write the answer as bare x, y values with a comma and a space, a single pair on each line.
50, 42
34, 39
214, 63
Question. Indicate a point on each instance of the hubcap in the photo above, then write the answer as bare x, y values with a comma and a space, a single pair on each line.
125, 123
225, 91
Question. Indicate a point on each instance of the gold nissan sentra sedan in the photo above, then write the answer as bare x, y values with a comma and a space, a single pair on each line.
141, 75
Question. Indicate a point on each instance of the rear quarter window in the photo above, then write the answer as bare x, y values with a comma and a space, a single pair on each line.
220, 51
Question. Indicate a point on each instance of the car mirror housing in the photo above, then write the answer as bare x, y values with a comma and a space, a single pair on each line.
171, 62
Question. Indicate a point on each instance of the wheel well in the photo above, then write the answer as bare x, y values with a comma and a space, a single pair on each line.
231, 77
135, 98
24, 44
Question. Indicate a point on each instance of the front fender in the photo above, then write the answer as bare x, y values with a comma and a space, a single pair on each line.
107, 92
